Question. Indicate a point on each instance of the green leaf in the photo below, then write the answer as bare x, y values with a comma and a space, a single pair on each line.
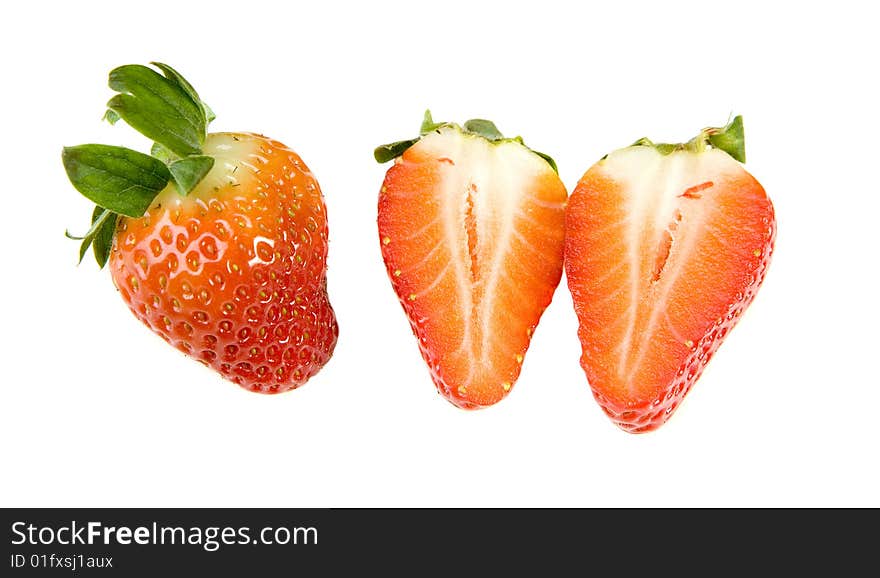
175, 76
661, 147
428, 124
484, 128
209, 114
188, 172
388, 152
99, 235
111, 116
667, 148
159, 108
547, 158
99, 217
103, 240
488, 130
116, 178
163, 154
730, 139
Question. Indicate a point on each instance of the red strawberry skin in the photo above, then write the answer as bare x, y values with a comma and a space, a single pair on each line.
471, 233
234, 274
663, 254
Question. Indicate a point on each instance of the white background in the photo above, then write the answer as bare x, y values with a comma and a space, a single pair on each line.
97, 411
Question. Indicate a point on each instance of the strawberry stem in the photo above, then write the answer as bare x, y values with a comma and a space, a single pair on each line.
475, 126
124, 182
729, 138
159, 108
484, 128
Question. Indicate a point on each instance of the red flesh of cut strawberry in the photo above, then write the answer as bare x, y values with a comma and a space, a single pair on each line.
471, 233
664, 251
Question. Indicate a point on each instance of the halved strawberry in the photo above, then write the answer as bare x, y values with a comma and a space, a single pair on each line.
471, 228
666, 246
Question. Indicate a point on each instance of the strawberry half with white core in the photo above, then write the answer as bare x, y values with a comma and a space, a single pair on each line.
217, 242
471, 228
666, 246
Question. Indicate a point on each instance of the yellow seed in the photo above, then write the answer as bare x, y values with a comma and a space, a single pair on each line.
397, 272
519, 358
505, 386
412, 296
462, 390
757, 253
386, 240
689, 343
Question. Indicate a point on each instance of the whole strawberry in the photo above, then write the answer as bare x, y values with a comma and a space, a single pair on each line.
471, 228
217, 242
666, 246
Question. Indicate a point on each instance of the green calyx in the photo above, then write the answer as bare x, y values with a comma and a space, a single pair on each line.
730, 139
123, 182
476, 126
